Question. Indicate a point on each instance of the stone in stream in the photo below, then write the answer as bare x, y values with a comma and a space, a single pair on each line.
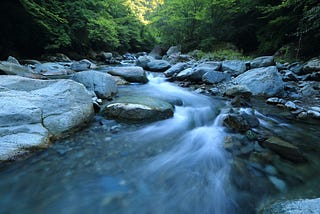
284, 149
133, 74
299, 206
241, 122
175, 69
138, 109
264, 81
102, 84
158, 65
143, 61
32, 111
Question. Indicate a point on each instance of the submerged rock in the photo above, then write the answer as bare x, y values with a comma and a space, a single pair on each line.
138, 109
284, 149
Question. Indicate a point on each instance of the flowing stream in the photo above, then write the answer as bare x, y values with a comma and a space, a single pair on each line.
178, 165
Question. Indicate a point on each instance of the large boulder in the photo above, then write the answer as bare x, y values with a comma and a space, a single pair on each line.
234, 67
305, 206
131, 74
138, 109
263, 61
33, 111
158, 65
264, 81
102, 84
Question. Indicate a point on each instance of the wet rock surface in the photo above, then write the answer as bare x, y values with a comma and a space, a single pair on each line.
138, 109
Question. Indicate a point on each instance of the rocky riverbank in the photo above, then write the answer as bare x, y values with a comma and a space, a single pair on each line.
43, 101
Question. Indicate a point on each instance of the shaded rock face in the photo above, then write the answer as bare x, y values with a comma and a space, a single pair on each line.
306, 206
262, 81
284, 149
102, 84
138, 109
133, 74
32, 111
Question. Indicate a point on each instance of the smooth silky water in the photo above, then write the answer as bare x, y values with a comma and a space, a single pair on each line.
177, 165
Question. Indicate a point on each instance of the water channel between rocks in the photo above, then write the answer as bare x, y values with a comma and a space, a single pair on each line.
178, 165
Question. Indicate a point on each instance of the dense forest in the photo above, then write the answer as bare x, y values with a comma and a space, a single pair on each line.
34, 27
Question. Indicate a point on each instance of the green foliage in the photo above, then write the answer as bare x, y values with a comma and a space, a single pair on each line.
92, 24
252, 25
219, 55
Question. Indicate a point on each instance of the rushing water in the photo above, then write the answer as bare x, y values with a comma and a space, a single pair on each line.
177, 165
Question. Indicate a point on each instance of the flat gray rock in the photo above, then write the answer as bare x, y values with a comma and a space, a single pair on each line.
34, 111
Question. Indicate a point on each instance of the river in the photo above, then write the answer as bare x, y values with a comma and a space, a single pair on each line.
178, 165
